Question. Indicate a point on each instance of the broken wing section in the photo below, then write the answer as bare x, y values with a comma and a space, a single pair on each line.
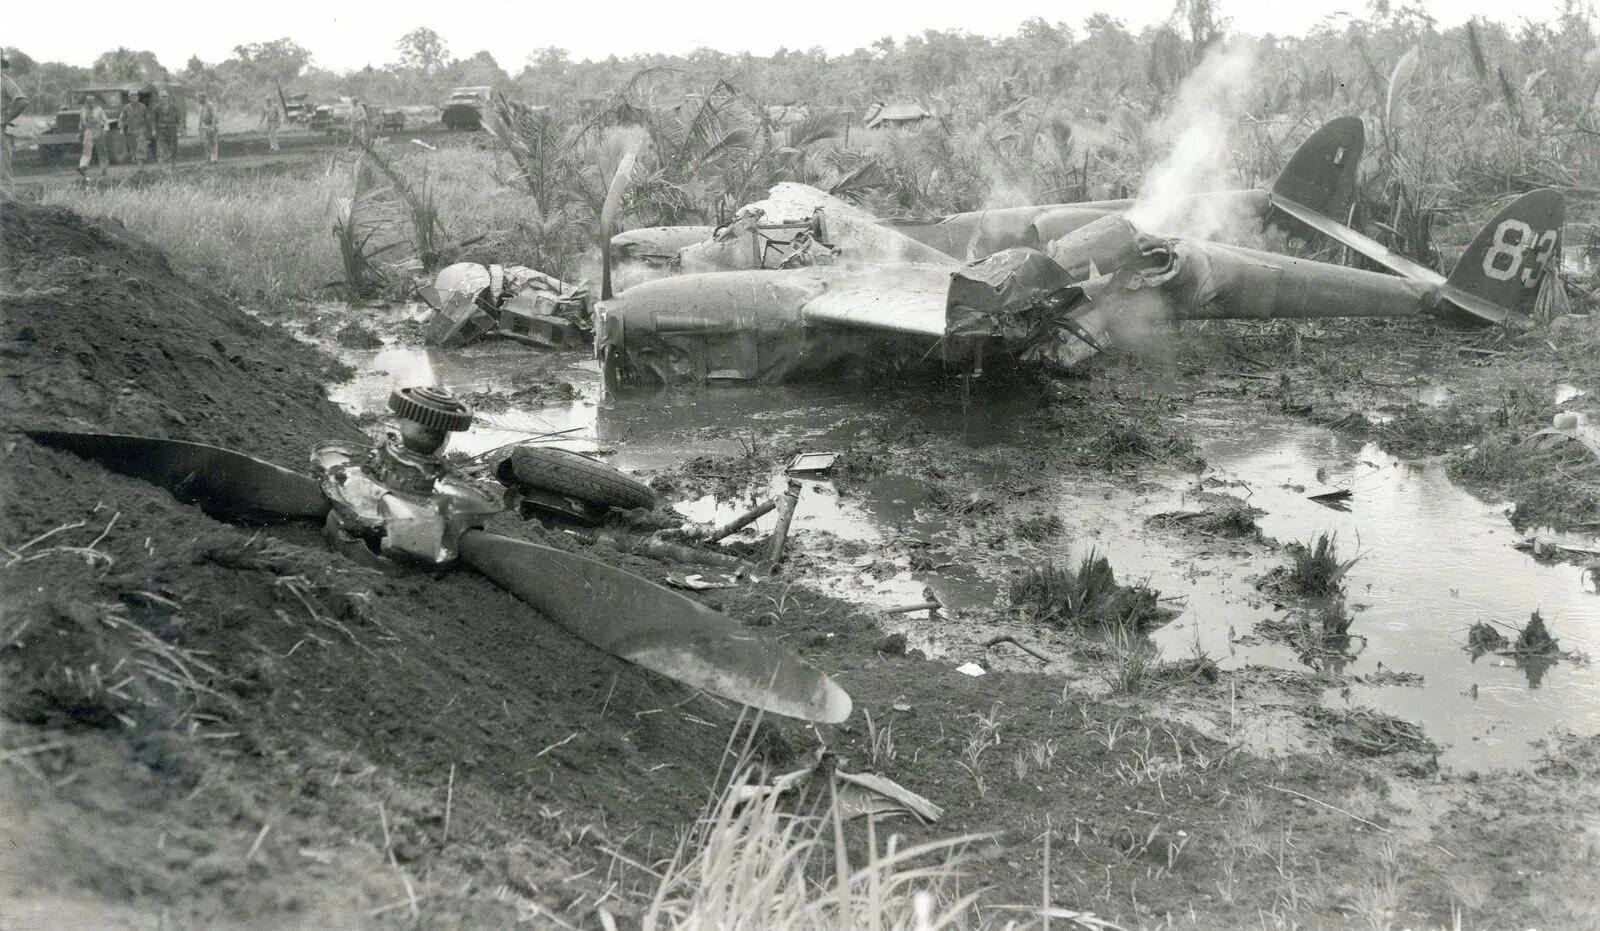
767, 326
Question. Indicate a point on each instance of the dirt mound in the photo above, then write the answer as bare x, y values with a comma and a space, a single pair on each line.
220, 720
101, 333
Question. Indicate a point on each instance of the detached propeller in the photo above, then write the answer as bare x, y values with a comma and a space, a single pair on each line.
401, 500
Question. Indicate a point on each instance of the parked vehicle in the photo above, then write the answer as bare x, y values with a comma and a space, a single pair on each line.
297, 108
391, 120
464, 109
329, 117
65, 140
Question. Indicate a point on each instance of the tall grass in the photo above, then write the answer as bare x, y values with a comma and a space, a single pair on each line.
257, 238
265, 238
752, 864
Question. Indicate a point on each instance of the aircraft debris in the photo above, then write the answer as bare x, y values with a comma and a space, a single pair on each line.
711, 534
780, 534
400, 499
471, 301
859, 795
812, 462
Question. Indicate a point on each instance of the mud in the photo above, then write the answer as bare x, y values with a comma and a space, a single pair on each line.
208, 725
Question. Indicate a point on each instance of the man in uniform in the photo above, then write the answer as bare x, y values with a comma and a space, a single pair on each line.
358, 122
166, 119
135, 125
12, 102
208, 127
92, 123
272, 117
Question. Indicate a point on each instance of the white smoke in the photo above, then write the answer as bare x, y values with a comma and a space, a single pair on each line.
1196, 131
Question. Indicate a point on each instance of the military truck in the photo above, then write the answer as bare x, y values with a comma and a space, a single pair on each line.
464, 109
65, 138
297, 108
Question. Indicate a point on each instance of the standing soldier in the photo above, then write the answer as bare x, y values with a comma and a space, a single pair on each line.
271, 117
12, 102
358, 122
135, 125
208, 127
92, 124
166, 118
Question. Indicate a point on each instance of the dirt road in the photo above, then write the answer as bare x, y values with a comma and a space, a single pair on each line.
240, 150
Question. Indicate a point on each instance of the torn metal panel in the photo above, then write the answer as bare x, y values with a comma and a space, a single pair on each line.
1036, 310
459, 320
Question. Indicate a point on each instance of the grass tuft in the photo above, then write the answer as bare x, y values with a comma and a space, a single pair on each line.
1086, 597
751, 863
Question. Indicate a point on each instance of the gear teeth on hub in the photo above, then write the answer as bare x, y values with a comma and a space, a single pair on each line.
431, 407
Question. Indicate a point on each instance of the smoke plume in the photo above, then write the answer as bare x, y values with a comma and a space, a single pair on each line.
1196, 131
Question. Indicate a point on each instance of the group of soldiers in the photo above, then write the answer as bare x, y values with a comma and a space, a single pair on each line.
149, 130
150, 133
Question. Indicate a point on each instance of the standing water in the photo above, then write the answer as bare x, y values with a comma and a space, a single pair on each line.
1433, 559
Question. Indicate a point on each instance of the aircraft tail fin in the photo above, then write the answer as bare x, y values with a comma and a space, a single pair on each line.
1321, 174
1509, 258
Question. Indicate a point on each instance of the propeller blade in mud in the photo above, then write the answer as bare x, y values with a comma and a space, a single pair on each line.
663, 631
225, 484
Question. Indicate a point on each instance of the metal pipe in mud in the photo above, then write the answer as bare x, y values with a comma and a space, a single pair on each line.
791, 498
665, 549
737, 524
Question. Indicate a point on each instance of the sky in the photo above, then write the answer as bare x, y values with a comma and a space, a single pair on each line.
344, 36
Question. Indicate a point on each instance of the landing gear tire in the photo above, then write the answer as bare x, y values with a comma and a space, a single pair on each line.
574, 475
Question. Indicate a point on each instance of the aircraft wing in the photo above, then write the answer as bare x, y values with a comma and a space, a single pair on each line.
1366, 245
908, 300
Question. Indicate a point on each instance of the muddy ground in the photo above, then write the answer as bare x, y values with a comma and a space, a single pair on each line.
213, 725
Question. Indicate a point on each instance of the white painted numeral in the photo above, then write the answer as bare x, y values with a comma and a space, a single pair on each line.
1511, 252
1541, 259
1508, 254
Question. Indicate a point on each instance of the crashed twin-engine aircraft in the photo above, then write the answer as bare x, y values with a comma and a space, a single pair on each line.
1055, 307
1319, 180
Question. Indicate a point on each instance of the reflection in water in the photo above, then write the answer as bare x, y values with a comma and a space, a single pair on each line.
1433, 559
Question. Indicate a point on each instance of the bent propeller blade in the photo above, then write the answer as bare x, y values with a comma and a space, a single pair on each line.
227, 485
661, 630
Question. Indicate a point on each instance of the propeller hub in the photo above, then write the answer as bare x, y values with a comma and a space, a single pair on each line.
428, 415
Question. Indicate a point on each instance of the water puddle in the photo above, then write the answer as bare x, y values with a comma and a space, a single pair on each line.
1434, 559
499, 367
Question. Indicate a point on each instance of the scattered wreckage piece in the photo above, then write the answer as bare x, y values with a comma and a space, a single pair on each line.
471, 301
1056, 308
859, 795
711, 534
401, 501
1568, 429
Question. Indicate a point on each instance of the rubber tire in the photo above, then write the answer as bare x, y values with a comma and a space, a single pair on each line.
576, 475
